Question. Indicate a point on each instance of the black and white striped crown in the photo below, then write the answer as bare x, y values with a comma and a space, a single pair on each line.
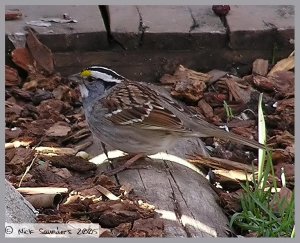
103, 73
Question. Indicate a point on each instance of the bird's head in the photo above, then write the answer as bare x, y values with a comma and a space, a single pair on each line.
95, 80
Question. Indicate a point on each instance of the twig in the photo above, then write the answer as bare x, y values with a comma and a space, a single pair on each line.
29, 167
27, 170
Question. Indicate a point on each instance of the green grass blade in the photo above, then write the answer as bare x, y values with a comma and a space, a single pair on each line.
261, 137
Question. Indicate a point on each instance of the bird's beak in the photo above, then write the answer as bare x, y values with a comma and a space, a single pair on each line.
77, 78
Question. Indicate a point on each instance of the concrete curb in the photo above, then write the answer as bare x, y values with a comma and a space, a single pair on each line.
167, 27
261, 27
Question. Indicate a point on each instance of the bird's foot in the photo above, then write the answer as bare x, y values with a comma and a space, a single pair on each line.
125, 166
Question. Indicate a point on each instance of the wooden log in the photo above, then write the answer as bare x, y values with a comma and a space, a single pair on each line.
181, 194
17, 209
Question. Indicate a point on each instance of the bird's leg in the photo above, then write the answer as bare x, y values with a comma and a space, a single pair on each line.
126, 165
103, 146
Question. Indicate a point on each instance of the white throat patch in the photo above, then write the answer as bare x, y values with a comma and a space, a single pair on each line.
84, 91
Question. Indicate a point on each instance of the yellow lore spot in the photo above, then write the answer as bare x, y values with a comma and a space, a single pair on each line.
85, 73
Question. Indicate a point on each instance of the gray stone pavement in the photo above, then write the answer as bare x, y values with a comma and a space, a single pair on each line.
169, 27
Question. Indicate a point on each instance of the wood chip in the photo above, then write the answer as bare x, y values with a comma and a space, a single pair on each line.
12, 109
285, 64
283, 200
285, 104
240, 123
107, 193
168, 79
205, 109
22, 58
187, 84
63, 172
231, 202
11, 134
41, 95
39, 81
55, 151
22, 157
17, 144
77, 136
263, 83
83, 146
126, 188
281, 156
22, 94
284, 83
283, 139
260, 67
235, 175
41, 190
41, 53
71, 162
58, 130
289, 172
190, 85
215, 75
122, 230
238, 93
12, 77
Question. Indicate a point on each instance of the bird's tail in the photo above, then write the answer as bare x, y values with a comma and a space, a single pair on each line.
213, 131
240, 139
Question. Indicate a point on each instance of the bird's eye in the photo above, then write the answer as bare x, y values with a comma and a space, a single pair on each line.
87, 75
90, 78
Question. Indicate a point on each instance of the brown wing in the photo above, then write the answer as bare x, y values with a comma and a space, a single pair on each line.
135, 104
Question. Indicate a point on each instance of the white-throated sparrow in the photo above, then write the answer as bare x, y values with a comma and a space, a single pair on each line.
137, 119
